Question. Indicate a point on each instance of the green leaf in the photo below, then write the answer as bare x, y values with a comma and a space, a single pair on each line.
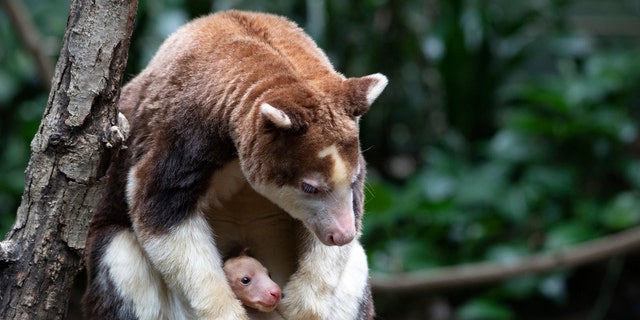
520, 287
438, 185
378, 198
554, 287
568, 233
515, 206
554, 180
483, 184
510, 145
632, 172
507, 253
8, 88
484, 309
623, 211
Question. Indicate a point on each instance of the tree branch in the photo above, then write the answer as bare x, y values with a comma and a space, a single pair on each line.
477, 273
30, 37
43, 251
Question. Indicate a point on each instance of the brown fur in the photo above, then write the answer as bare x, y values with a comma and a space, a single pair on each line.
195, 109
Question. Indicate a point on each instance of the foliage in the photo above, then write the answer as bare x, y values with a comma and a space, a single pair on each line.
503, 132
556, 170
556, 173
22, 99
555, 165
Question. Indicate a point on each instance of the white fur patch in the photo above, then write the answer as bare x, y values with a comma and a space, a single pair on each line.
376, 89
137, 281
277, 116
339, 173
329, 283
352, 283
190, 264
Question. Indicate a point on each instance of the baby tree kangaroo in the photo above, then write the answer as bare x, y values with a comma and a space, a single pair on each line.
241, 131
251, 282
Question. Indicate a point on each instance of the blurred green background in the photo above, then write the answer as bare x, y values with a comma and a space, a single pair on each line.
508, 128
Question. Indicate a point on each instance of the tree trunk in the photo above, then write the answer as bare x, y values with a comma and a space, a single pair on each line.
42, 253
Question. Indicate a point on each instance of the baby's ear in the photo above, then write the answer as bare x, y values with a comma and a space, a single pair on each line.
364, 91
281, 119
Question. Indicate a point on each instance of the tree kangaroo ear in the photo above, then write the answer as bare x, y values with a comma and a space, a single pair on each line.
364, 91
289, 119
276, 116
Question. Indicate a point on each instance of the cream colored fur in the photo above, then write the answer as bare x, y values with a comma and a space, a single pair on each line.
139, 282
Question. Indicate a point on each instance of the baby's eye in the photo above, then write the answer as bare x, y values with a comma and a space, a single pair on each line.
245, 280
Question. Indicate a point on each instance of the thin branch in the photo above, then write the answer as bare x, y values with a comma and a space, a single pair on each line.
28, 33
485, 272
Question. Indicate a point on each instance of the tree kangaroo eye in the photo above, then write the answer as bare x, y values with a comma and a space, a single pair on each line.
245, 280
307, 188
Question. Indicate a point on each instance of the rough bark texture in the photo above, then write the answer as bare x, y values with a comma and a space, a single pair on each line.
41, 255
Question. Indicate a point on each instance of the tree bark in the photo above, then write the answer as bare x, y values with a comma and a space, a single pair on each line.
43, 251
